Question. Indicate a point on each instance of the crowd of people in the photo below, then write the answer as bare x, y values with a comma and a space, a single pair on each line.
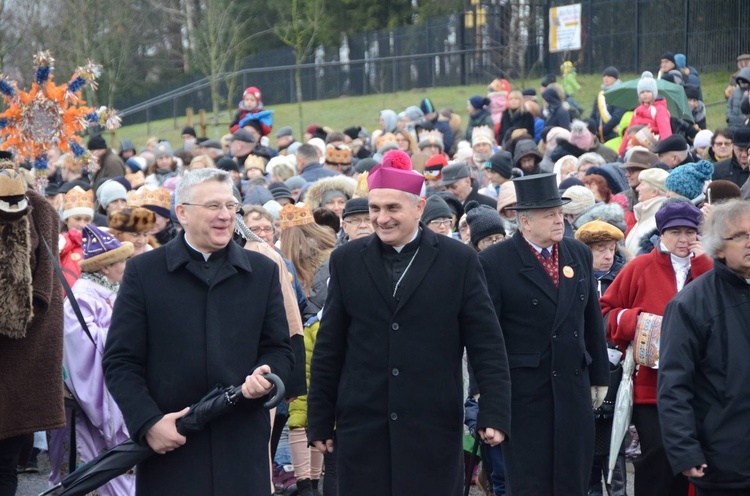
429, 281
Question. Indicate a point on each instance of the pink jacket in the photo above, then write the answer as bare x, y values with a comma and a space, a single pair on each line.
657, 121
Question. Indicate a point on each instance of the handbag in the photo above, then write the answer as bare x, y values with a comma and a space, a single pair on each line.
646, 342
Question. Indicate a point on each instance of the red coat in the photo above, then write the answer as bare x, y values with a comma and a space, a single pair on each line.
71, 253
659, 124
646, 284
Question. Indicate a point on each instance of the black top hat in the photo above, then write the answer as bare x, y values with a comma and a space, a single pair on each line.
536, 192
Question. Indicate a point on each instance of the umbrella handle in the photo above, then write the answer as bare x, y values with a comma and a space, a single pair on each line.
275, 401
280, 391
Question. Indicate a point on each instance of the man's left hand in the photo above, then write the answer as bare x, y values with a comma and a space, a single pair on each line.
255, 385
491, 436
598, 393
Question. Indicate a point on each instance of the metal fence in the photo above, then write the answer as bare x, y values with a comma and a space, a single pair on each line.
492, 38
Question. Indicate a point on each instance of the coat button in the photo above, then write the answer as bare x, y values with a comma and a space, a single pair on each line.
578, 372
575, 334
394, 372
554, 336
394, 326
534, 301
582, 298
394, 416
554, 373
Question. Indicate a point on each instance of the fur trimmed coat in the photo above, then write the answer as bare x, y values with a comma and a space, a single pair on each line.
316, 191
31, 387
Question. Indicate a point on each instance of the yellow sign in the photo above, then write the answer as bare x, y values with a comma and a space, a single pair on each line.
565, 28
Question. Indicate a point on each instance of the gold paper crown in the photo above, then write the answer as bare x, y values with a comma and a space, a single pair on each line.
482, 134
341, 155
78, 198
432, 137
362, 189
295, 215
134, 198
255, 161
156, 197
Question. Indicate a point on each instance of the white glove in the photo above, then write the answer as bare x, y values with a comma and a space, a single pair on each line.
598, 393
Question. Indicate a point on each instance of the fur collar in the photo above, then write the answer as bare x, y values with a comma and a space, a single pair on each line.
16, 295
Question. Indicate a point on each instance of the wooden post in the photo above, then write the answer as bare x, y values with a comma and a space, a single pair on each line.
189, 116
202, 120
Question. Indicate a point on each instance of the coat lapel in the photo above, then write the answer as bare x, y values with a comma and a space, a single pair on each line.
533, 270
567, 290
428, 250
373, 261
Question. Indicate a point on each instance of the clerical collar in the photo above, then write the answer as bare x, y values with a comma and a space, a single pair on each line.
411, 244
539, 248
206, 256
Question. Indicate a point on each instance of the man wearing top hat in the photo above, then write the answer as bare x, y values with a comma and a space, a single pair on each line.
543, 290
386, 370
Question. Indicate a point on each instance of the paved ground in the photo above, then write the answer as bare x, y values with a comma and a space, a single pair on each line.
33, 484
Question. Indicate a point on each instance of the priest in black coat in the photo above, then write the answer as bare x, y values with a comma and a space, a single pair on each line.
386, 381
544, 294
195, 313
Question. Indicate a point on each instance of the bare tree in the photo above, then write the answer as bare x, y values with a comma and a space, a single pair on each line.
300, 26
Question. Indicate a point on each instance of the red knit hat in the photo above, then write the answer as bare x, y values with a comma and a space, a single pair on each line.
253, 91
396, 173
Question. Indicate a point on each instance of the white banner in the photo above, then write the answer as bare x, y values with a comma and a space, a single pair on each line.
565, 28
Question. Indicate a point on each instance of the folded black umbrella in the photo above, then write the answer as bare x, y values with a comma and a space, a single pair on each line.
123, 457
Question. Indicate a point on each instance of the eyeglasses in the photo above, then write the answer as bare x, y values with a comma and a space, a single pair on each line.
490, 240
357, 221
440, 222
216, 206
722, 143
262, 229
739, 237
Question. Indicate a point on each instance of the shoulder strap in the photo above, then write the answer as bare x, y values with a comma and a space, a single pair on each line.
68, 290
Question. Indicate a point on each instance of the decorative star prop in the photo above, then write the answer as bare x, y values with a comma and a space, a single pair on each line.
49, 116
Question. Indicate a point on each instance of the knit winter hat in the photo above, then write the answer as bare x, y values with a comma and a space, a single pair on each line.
435, 208
126, 145
101, 249
97, 143
483, 221
582, 198
478, 102
611, 71
656, 177
110, 191
189, 130
614, 185
688, 180
365, 165
163, 149
414, 113
580, 135
647, 83
427, 106
280, 190
257, 195
502, 163
703, 138
295, 182
252, 90
669, 56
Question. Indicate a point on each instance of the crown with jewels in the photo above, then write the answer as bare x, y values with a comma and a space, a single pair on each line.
157, 197
295, 215
338, 155
78, 198
482, 134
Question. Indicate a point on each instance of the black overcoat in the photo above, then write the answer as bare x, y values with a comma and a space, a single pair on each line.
556, 351
173, 337
387, 374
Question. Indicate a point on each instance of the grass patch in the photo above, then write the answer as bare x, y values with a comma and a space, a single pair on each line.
363, 111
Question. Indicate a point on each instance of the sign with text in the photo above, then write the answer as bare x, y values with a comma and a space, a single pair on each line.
565, 28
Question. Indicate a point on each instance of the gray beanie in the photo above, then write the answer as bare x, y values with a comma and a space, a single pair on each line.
332, 193
436, 208
110, 191
648, 83
483, 221
257, 195
295, 182
581, 199
414, 113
